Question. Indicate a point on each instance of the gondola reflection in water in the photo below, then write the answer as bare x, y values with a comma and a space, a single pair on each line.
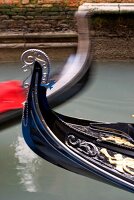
81, 146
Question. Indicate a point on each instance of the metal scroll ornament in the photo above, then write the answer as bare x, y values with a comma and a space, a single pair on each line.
81, 146
29, 57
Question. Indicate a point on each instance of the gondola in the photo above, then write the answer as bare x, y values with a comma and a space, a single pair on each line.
104, 150
67, 84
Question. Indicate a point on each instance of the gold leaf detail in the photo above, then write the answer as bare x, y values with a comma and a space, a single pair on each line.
122, 164
118, 140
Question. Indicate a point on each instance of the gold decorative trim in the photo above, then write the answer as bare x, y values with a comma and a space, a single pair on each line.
122, 164
118, 140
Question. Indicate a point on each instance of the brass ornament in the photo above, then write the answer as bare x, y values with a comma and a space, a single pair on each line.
118, 140
122, 164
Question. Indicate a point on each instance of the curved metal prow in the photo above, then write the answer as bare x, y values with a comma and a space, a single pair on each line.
29, 57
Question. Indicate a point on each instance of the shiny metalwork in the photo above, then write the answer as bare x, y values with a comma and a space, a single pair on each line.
123, 164
118, 140
29, 57
81, 146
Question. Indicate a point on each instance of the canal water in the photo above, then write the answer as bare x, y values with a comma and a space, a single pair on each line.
108, 96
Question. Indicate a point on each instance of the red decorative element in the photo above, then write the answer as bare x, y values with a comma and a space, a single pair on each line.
12, 95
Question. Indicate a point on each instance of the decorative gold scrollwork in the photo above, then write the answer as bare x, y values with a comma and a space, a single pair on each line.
118, 140
123, 164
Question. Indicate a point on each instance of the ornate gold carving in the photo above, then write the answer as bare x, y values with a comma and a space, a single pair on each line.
122, 164
118, 140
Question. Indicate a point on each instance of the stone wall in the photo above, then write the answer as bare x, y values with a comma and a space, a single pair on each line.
70, 3
27, 24
36, 17
40, 15
46, 3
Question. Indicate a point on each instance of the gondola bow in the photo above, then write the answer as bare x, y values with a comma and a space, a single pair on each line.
82, 146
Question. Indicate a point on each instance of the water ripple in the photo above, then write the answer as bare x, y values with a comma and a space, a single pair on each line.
28, 163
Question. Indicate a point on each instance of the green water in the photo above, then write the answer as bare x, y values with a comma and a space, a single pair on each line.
109, 96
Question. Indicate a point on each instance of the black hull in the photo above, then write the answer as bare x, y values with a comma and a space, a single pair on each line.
77, 145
